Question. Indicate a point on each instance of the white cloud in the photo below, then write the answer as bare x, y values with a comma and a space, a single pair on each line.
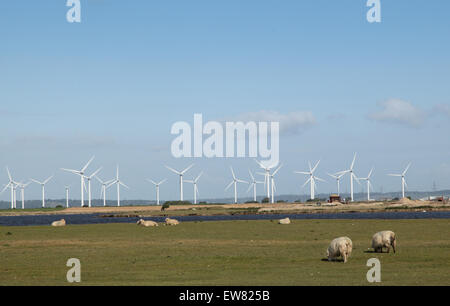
399, 112
290, 123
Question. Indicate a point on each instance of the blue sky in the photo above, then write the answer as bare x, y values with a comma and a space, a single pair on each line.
113, 85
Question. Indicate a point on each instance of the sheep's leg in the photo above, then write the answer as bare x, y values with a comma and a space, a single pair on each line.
345, 257
388, 249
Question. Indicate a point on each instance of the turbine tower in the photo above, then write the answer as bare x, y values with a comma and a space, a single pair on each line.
312, 179
43, 188
266, 176
369, 184
180, 173
67, 196
118, 183
253, 184
338, 180
273, 183
235, 181
157, 188
81, 174
402, 175
89, 178
194, 182
104, 187
22, 192
352, 176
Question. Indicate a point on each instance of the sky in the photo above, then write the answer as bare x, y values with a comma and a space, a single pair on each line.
114, 84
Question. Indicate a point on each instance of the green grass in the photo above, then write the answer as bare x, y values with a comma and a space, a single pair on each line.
223, 253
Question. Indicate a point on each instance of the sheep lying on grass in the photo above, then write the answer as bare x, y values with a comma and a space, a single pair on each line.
61, 222
341, 246
284, 221
384, 239
147, 223
171, 221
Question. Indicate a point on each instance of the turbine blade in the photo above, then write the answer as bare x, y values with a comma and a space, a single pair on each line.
46, 181
306, 183
162, 181
173, 170
37, 182
96, 172
87, 165
201, 173
251, 175
9, 174
407, 168
232, 172
229, 186
187, 169
315, 167
124, 185
275, 172
151, 181
353, 162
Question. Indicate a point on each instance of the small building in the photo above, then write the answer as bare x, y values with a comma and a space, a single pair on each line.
334, 198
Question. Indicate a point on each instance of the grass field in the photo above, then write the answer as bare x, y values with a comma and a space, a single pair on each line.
223, 253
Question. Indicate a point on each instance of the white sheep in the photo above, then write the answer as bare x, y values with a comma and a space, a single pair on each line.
284, 221
147, 223
384, 239
61, 222
171, 221
341, 246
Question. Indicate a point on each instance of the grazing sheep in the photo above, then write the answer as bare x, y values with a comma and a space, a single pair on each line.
341, 246
284, 221
384, 239
171, 221
61, 222
147, 223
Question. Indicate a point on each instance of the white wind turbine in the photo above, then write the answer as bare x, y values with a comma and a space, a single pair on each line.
312, 179
118, 183
81, 174
352, 176
22, 192
105, 185
194, 182
235, 181
180, 173
266, 176
12, 185
337, 177
402, 175
157, 188
43, 188
369, 184
253, 184
89, 178
272, 180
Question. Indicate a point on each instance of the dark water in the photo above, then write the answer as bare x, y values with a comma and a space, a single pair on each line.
97, 219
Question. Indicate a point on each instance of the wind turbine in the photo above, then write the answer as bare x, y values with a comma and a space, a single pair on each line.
157, 188
266, 176
43, 188
235, 181
338, 180
352, 176
369, 184
253, 184
402, 175
273, 182
312, 178
22, 192
180, 173
194, 182
118, 183
11, 184
89, 178
104, 187
81, 174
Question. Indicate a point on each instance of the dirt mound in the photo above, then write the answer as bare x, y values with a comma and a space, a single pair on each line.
406, 201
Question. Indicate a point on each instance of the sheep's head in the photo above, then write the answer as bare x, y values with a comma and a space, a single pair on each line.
140, 221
